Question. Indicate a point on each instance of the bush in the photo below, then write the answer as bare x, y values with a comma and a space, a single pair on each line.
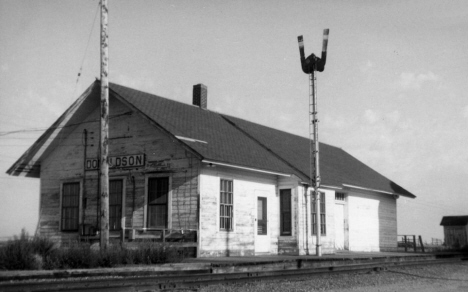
25, 253
77, 256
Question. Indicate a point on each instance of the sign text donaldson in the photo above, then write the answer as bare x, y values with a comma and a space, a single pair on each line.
118, 161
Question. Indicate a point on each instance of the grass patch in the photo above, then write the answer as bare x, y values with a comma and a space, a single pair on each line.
35, 253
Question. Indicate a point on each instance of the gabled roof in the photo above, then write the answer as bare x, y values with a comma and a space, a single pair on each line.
454, 221
224, 139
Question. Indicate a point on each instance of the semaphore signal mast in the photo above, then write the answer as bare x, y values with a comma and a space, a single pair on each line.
309, 65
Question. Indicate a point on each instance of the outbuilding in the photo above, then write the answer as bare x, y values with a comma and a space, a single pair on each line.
455, 230
178, 169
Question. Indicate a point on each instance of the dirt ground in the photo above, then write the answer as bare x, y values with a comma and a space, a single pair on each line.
430, 278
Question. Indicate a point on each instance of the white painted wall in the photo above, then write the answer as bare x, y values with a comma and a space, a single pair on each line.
372, 221
327, 240
363, 210
247, 186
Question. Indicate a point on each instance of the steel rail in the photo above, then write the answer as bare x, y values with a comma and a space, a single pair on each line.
195, 281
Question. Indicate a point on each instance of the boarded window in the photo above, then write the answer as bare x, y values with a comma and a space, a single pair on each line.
158, 193
115, 204
285, 212
70, 206
226, 205
323, 223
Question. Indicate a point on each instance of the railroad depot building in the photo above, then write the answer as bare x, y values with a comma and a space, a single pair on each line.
240, 186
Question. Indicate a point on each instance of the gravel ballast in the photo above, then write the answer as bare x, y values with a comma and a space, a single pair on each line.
437, 278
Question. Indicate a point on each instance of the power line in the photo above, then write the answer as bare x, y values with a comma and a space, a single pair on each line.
86, 50
60, 127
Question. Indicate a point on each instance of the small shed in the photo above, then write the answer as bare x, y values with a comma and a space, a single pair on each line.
455, 230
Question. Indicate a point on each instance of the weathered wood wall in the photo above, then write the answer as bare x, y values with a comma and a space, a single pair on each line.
129, 133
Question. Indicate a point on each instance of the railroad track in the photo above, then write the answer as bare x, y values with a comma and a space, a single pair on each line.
193, 280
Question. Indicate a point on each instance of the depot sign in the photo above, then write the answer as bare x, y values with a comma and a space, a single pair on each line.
117, 161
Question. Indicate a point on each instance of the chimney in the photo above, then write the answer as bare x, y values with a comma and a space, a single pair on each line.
200, 96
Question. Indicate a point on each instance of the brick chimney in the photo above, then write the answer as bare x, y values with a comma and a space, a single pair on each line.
200, 96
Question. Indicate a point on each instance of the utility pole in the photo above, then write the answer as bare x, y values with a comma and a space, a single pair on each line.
104, 141
309, 66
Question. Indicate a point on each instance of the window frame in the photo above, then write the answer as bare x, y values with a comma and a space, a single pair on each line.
227, 205
168, 203
323, 214
340, 197
282, 231
79, 206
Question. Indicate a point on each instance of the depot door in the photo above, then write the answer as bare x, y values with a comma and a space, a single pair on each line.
339, 227
262, 234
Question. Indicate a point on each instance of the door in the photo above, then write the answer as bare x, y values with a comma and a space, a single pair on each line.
262, 236
115, 204
339, 227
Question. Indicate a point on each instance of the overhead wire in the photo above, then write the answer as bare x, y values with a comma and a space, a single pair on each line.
60, 127
77, 79
86, 50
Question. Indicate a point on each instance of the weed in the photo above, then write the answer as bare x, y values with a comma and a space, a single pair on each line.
26, 253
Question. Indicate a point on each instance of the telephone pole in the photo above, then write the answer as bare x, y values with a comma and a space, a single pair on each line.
104, 141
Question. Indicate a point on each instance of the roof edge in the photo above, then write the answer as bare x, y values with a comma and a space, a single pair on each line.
245, 168
27, 164
378, 191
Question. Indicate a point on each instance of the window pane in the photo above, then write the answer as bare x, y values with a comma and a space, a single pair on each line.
70, 206
225, 205
285, 212
323, 222
158, 192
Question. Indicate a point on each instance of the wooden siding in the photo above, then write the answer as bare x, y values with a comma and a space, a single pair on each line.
247, 186
456, 236
129, 134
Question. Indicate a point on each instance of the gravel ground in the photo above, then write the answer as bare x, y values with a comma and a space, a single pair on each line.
436, 278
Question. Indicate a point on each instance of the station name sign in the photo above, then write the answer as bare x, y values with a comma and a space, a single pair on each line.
117, 161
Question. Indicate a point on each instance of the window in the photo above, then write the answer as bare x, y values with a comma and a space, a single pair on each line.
339, 197
115, 204
226, 205
323, 223
262, 213
158, 192
285, 212
70, 206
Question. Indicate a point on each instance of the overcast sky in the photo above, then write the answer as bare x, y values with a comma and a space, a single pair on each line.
394, 92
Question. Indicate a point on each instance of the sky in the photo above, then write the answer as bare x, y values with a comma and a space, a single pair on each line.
394, 93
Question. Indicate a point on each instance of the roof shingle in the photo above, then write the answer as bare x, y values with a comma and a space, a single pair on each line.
240, 142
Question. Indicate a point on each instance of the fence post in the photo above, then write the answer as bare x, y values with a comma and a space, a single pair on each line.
414, 244
421, 242
406, 247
